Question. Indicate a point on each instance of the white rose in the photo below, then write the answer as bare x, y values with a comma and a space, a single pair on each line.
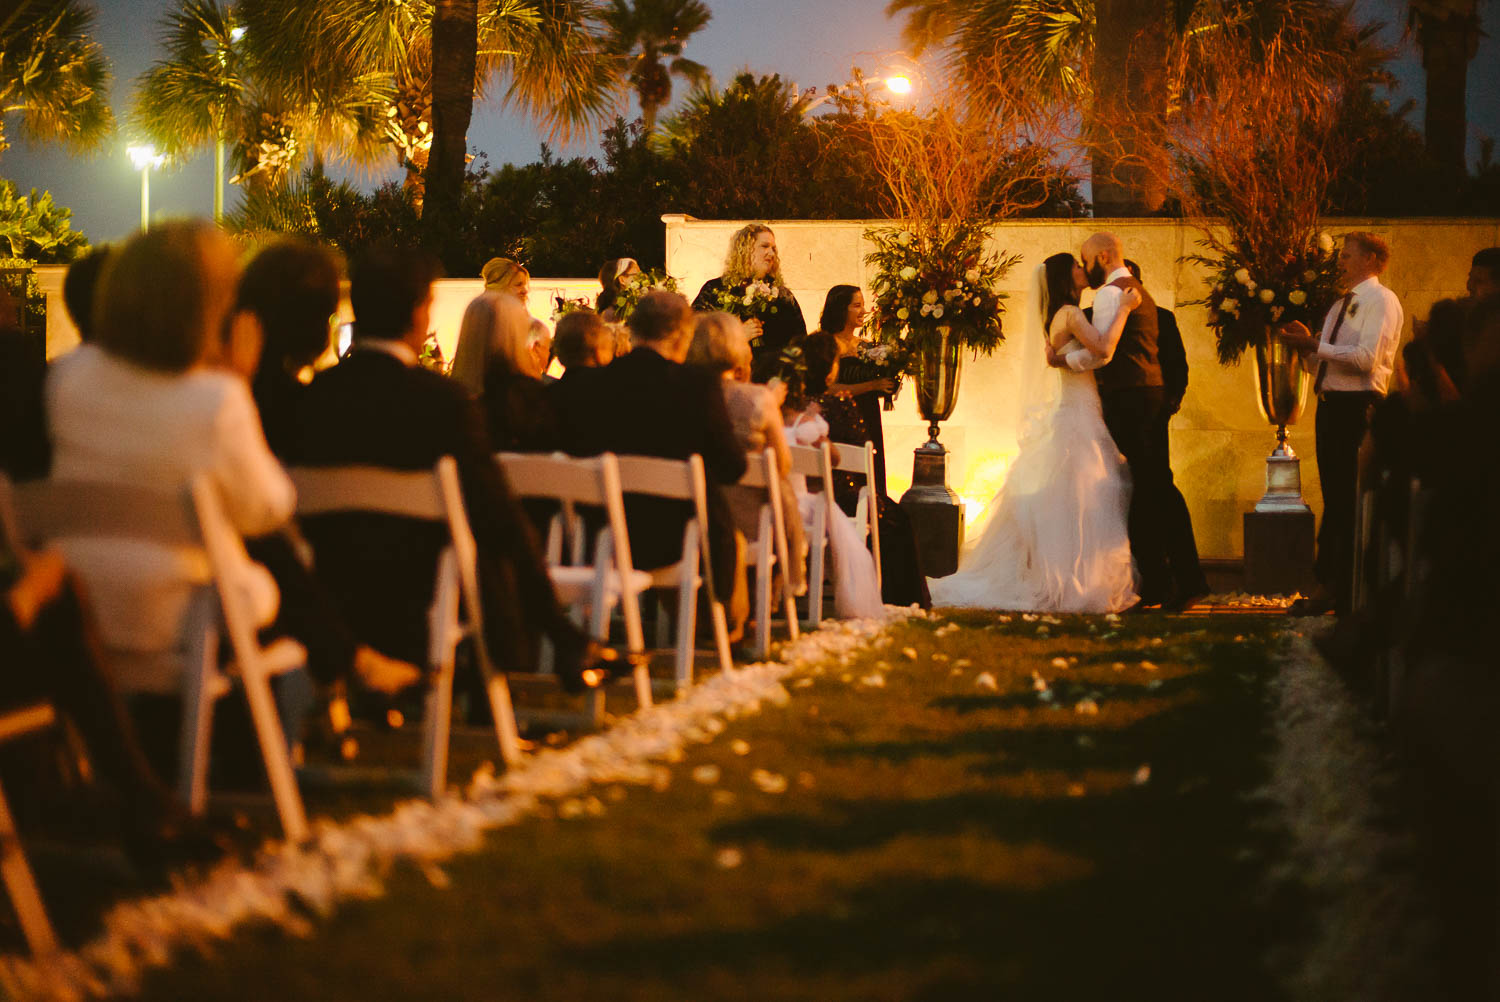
926, 309
929, 297
1296, 297
1230, 306
937, 311
1268, 296
903, 313
1325, 243
972, 274
908, 273
951, 295
903, 238
749, 300
976, 301
1309, 276
1243, 276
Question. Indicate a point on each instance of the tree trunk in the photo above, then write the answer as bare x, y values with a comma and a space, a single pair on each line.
455, 45
1448, 44
1129, 106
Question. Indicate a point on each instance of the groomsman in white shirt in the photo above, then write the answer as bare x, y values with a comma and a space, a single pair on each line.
1353, 357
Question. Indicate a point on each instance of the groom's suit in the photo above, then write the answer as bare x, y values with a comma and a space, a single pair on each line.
1132, 390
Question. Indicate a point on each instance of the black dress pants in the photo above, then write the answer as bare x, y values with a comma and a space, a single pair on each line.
1135, 417
1342, 421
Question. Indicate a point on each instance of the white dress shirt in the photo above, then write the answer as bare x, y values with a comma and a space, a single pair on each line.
112, 420
1106, 308
1362, 356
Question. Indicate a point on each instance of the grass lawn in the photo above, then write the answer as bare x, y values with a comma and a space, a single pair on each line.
901, 830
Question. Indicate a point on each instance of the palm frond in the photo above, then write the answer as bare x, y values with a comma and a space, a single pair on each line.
54, 76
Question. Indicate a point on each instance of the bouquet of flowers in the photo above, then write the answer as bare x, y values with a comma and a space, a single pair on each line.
755, 301
638, 285
934, 281
887, 360
565, 306
432, 355
1251, 295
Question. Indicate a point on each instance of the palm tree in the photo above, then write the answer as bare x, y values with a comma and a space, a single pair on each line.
199, 94
53, 76
1448, 33
649, 35
455, 58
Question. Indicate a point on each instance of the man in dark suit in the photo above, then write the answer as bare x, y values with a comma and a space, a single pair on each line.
647, 403
378, 407
1135, 400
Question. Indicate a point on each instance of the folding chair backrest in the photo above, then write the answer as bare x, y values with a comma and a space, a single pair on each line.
675, 479
861, 459
44, 510
856, 459
323, 490
808, 459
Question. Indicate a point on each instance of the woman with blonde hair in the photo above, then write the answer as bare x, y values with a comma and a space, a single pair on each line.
501, 274
753, 260
721, 346
505, 373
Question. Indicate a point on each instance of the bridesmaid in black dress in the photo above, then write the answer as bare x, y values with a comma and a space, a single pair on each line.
752, 257
843, 315
902, 580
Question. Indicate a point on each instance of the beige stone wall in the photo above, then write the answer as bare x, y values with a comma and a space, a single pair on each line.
1219, 440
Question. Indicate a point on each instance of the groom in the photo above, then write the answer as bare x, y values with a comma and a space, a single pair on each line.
1135, 409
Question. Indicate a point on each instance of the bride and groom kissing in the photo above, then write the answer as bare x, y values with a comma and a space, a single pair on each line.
1088, 519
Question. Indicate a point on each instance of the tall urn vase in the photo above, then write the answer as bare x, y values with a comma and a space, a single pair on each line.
1279, 533
937, 515
1281, 383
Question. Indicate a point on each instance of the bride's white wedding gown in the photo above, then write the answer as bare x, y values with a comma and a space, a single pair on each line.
1054, 538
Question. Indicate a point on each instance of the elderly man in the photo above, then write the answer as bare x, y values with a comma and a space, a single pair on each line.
1353, 357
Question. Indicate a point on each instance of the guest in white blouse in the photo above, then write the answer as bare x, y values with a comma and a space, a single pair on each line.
1353, 357
143, 405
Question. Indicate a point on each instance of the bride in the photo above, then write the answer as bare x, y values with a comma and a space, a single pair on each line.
1054, 538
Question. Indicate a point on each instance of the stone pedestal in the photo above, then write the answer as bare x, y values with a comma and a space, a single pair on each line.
937, 516
1279, 549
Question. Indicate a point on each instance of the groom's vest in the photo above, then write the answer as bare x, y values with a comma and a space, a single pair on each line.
1135, 362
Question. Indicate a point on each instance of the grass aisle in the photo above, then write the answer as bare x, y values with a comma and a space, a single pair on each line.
1020, 809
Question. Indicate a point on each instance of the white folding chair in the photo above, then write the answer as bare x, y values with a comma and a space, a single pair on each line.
19, 881
860, 459
815, 462
612, 577
768, 547
456, 609
682, 480
194, 519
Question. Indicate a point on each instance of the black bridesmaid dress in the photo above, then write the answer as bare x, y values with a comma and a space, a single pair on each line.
780, 328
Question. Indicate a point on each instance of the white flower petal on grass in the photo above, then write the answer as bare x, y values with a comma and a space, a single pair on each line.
1142, 776
706, 774
1059, 662
1112, 617
940, 658
767, 781
740, 746
875, 680
728, 858
802, 683
910, 653
1148, 666
1086, 707
723, 798
962, 663
986, 681
570, 808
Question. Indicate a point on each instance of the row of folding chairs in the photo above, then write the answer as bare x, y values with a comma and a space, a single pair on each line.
600, 578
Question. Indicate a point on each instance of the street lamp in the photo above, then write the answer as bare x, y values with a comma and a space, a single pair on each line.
900, 84
145, 157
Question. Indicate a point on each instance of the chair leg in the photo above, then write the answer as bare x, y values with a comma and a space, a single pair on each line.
273, 752
21, 884
721, 637
504, 713
817, 545
196, 734
687, 626
439, 726
763, 596
663, 624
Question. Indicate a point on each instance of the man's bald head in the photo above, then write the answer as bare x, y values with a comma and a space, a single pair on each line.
1102, 254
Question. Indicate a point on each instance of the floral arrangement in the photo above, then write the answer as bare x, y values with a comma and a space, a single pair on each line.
888, 360
936, 281
564, 306
432, 355
639, 284
1249, 296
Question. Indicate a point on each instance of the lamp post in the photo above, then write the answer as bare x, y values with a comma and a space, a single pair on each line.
145, 158
899, 84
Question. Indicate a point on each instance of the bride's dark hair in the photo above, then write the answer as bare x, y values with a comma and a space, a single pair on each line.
1059, 281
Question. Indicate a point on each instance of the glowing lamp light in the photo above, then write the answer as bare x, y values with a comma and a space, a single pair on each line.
145, 157
898, 84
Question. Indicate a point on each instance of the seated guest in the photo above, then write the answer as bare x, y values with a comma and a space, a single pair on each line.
902, 582
141, 405
518, 410
291, 289
721, 347
286, 301
378, 407
79, 285
583, 340
539, 343
647, 403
